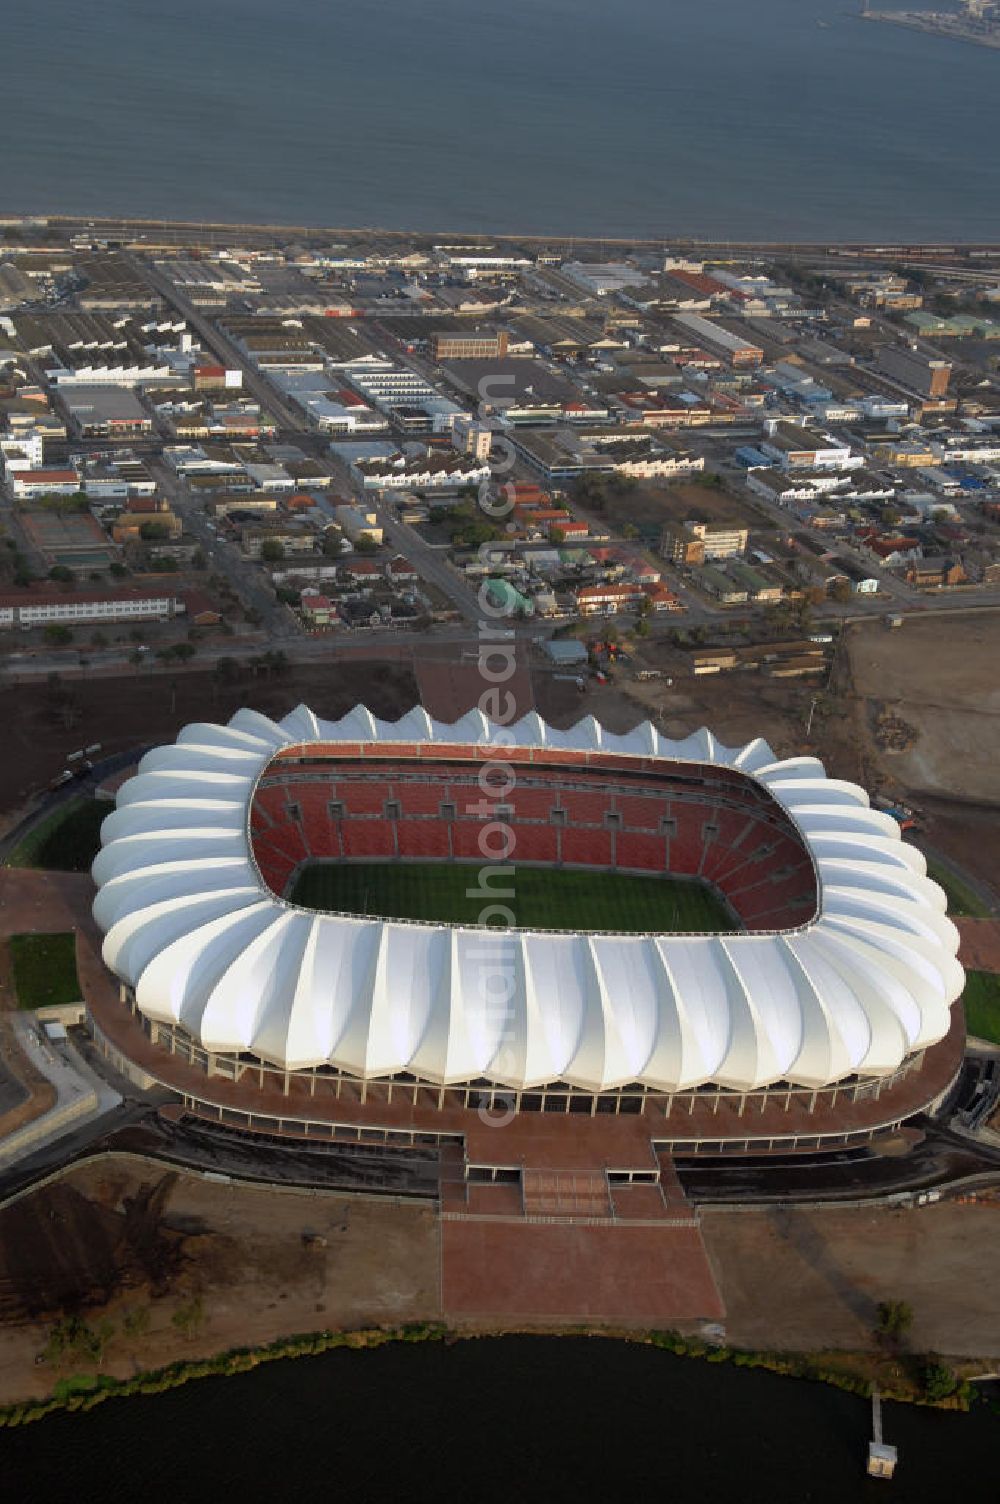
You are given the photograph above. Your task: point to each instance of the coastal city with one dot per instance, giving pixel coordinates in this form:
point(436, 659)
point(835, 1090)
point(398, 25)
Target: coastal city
point(211, 451)
point(384, 617)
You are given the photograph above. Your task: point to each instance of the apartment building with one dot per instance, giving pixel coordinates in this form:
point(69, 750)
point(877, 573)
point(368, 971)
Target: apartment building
point(42, 607)
point(696, 542)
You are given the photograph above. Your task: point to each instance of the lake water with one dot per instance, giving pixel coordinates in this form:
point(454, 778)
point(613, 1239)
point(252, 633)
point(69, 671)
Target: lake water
point(504, 1420)
point(751, 118)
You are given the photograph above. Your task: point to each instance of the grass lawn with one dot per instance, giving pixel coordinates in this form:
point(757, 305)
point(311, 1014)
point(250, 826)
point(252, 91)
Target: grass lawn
point(44, 969)
point(67, 841)
point(543, 897)
point(961, 899)
point(982, 1005)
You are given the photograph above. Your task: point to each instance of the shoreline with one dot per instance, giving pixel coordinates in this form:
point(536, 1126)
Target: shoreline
point(86, 1391)
point(913, 21)
point(682, 240)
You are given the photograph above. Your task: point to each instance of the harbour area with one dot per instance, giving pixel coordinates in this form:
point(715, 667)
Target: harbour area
point(978, 21)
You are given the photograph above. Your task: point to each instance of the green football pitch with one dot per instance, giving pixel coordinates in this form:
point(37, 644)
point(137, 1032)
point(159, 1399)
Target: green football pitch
point(543, 898)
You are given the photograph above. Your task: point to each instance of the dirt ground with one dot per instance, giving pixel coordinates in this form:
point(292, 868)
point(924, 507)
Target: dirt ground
point(734, 707)
point(653, 504)
point(940, 675)
point(812, 1278)
point(980, 949)
point(125, 1233)
point(124, 711)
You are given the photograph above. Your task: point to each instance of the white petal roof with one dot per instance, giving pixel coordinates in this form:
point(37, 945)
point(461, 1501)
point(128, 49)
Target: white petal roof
point(193, 928)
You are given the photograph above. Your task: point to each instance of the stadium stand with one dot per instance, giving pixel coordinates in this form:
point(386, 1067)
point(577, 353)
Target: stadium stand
point(693, 821)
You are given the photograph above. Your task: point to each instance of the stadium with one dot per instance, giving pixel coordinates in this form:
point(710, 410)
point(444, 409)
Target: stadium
point(615, 947)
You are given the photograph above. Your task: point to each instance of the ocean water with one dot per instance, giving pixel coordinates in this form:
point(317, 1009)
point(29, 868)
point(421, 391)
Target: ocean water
point(724, 118)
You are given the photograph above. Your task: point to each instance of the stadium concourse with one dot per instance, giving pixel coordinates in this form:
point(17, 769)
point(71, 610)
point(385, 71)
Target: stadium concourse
point(817, 1017)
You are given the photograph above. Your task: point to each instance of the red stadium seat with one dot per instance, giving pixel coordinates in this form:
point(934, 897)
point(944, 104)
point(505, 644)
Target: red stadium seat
point(423, 839)
point(641, 813)
point(725, 829)
point(687, 841)
point(418, 798)
point(590, 848)
point(362, 798)
point(535, 843)
point(638, 851)
point(368, 838)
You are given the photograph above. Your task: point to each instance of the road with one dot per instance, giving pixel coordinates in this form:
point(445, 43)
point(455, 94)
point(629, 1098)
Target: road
point(249, 581)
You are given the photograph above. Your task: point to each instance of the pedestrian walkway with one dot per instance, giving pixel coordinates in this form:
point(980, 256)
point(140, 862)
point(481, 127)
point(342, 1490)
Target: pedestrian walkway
point(980, 945)
point(80, 1095)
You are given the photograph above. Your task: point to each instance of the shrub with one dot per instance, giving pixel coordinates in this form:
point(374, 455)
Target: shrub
point(937, 1380)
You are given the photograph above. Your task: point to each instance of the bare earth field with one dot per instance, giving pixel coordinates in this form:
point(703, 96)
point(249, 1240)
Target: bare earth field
point(941, 676)
point(136, 709)
point(125, 1233)
point(653, 504)
point(735, 707)
point(812, 1278)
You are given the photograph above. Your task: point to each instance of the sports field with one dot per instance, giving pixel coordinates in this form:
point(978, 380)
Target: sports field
point(543, 898)
point(44, 969)
point(982, 1005)
point(67, 840)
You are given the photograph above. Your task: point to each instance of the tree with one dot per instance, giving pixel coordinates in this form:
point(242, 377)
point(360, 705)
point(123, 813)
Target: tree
point(271, 550)
point(61, 573)
point(198, 559)
point(227, 669)
point(150, 532)
point(135, 1322)
point(642, 627)
point(117, 568)
point(557, 535)
point(630, 532)
point(73, 1337)
point(938, 1380)
point(333, 544)
point(190, 1317)
point(840, 591)
point(365, 544)
point(893, 1320)
point(57, 635)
